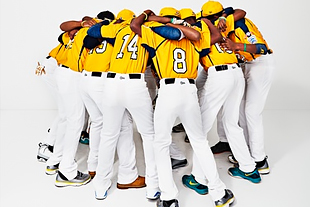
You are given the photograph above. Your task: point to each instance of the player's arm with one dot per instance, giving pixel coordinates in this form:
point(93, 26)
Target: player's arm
point(95, 30)
point(251, 48)
point(237, 13)
point(215, 33)
point(69, 25)
point(147, 15)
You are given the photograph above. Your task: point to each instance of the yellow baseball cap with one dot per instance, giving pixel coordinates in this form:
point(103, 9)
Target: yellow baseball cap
point(169, 11)
point(125, 14)
point(211, 7)
point(198, 15)
point(185, 13)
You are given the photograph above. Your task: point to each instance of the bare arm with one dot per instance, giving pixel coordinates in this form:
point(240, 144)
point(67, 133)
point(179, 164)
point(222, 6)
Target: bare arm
point(237, 13)
point(215, 33)
point(230, 45)
point(69, 25)
point(136, 23)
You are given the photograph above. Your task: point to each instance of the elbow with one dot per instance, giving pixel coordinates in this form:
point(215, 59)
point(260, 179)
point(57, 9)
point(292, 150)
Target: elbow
point(135, 28)
point(197, 36)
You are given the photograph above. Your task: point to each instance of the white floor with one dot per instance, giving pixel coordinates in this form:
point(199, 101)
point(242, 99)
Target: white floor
point(23, 181)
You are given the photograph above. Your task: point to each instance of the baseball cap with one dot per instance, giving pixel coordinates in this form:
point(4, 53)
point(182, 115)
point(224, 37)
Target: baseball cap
point(185, 13)
point(125, 14)
point(211, 7)
point(106, 15)
point(169, 11)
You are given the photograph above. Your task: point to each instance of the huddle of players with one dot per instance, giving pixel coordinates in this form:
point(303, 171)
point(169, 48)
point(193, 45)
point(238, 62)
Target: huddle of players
point(101, 65)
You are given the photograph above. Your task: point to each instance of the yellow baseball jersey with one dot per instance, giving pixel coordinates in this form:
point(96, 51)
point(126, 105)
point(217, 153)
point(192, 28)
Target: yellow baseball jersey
point(172, 58)
point(247, 32)
point(73, 49)
point(217, 55)
point(98, 59)
point(58, 52)
point(128, 56)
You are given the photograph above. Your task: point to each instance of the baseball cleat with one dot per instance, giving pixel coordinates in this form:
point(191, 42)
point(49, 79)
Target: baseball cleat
point(190, 182)
point(178, 163)
point(153, 193)
point(254, 176)
point(227, 199)
point(52, 169)
point(220, 147)
point(44, 152)
point(170, 203)
point(80, 179)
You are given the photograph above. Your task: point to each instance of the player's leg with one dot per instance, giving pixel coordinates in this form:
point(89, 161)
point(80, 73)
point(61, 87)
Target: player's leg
point(113, 111)
point(234, 132)
point(190, 116)
point(127, 171)
point(259, 76)
point(164, 118)
point(91, 89)
point(74, 112)
point(140, 107)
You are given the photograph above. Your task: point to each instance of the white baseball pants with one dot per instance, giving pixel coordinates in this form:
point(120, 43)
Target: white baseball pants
point(72, 112)
point(91, 87)
point(259, 75)
point(121, 93)
point(224, 89)
point(179, 99)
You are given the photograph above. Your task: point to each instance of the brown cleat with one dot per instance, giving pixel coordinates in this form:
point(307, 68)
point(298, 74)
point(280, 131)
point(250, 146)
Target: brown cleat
point(92, 174)
point(138, 183)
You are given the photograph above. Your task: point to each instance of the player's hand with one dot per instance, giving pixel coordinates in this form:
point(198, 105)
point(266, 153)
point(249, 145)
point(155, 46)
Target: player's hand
point(40, 70)
point(222, 25)
point(88, 23)
point(228, 45)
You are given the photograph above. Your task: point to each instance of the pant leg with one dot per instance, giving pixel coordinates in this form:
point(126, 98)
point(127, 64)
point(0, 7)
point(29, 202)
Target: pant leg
point(259, 75)
point(74, 114)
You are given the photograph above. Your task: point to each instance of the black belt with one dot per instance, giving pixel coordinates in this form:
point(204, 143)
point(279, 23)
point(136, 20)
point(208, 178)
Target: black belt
point(96, 74)
point(224, 67)
point(64, 66)
point(131, 75)
point(172, 81)
point(221, 67)
point(48, 57)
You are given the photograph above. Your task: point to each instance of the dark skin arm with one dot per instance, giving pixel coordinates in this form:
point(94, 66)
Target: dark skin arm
point(215, 33)
point(238, 14)
point(230, 45)
point(136, 23)
point(70, 25)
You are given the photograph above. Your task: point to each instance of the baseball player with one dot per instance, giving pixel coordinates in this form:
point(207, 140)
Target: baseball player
point(224, 89)
point(176, 62)
point(71, 107)
point(178, 159)
point(46, 70)
point(248, 42)
point(95, 64)
point(238, 14)
point(53, 159)
point(126, 89)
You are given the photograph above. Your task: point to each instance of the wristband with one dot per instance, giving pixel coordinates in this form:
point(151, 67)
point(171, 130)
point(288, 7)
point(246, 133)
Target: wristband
point(146, 16)
point(222, 18)
point(244, 47)
point(82, 23)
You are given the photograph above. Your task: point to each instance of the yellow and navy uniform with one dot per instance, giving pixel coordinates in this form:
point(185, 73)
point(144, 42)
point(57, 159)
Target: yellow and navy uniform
point(172, 58)
point(246, 32)
point(73, 49)
point(58, 52)
point(128, 55)
point(217, 55)
point(98, 59)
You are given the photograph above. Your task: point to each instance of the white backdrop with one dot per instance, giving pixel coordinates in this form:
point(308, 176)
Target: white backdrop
point(29, 30)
